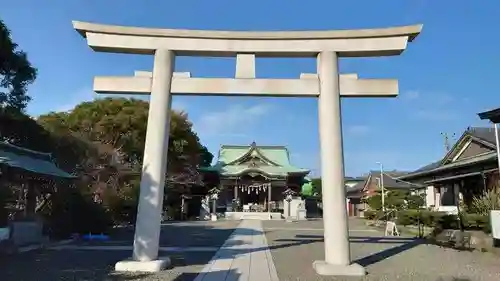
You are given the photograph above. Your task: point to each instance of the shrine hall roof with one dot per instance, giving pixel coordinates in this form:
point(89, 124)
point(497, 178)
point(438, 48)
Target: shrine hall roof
point(30, 160)
point(239, 159)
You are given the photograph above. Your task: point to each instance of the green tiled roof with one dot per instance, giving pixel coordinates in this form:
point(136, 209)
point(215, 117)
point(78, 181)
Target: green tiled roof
point(270, 170)
point(29, 160)
point(230, 156)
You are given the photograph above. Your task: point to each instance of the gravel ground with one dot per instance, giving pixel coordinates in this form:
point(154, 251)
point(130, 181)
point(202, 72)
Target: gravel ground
point(397, 258)
point(79, 265)
point(182, 234)
point(294, 246)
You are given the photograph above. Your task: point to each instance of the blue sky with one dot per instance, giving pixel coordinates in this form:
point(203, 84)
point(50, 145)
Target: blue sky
point(446, 76)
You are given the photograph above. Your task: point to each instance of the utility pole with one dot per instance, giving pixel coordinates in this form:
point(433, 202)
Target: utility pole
point(381, 184)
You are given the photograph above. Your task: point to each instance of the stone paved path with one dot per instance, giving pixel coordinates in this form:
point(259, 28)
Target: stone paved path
point(244, 256)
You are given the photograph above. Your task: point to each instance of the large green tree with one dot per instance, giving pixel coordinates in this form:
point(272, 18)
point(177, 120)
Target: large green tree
point(117, 127)
point(16, 72)
point(121, 124)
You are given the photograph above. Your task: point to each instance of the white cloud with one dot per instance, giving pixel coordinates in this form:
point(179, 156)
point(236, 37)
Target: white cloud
point(232, 120)
point(435, 115)
point(443, 98)
point(179, 106)
point(358, 130)
point(307, 160)
point(360, 162)
point(411, 95)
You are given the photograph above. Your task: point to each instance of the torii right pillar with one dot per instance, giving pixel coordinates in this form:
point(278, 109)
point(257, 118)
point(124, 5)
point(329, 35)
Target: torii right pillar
point(336, 230)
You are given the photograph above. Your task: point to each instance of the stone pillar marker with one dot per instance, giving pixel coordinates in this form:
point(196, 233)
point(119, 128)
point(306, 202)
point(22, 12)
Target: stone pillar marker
point(148, 223)
point(328, 86)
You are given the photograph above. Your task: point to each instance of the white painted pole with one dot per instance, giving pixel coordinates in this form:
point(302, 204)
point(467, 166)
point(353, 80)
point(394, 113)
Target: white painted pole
point(382, 187)
point(498, 147)
point(337, 249)
point(269, 200)
point(147, 229)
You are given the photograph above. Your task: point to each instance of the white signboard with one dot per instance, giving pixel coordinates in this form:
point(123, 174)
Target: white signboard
point(4, 233)
point(495, 223)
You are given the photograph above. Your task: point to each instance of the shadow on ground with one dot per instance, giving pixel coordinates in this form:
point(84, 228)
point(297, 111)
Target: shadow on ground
point(49, 265)
point(402, 244)
point(80, 264)
point(215, 276)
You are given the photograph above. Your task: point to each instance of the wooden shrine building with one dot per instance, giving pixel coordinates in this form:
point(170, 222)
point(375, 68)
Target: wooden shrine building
point(253, 178)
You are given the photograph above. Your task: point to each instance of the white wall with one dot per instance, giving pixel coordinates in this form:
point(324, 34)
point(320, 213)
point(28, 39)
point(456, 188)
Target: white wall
point(430, 197)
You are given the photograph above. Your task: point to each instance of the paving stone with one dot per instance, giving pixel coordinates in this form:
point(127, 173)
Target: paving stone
point(244, 256)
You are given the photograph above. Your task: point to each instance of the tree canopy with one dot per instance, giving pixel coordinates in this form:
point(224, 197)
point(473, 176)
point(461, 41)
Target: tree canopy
point(16, 72)
point(120, 125)
point(316, 183)
point(396, 199)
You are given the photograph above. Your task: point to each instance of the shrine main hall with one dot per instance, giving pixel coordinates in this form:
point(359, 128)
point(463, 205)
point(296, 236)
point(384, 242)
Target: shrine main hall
point(255, 179)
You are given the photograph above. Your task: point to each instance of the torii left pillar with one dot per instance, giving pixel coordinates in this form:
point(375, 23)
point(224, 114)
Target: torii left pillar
point(148, 224)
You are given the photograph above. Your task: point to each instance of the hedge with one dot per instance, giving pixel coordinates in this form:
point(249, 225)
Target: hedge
point(435, 219)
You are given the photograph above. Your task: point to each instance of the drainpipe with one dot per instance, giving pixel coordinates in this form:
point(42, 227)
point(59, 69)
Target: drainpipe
point(497, 146)
point(457, 196)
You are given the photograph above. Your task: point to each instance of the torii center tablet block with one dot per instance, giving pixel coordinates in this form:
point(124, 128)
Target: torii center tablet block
point(327, 85)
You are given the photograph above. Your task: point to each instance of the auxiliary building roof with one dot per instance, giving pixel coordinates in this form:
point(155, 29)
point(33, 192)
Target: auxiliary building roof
point(30, 160)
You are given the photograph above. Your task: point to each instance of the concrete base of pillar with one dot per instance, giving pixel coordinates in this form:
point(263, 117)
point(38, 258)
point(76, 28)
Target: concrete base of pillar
point(324, 268)
point(143, 266)
point(213, 217)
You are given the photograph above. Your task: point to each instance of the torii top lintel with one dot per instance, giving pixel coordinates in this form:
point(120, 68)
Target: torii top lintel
point(347, 43)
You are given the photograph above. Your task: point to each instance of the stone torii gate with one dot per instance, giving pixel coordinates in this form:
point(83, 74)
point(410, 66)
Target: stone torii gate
point(327, 85)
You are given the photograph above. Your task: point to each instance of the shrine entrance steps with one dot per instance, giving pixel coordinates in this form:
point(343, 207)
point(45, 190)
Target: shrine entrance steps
point(253, 216)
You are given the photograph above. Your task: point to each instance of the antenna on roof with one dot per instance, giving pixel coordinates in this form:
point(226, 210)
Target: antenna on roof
point(447, 145)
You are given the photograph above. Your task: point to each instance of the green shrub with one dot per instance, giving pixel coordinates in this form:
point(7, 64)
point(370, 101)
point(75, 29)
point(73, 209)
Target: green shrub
point(442, 220)
point(374, 202)
point(477, 222)
point(415, 201)
point(71, 211)
point(407, 217)
point(483, 204)
point(448, 222)
point(432, 218)
point(370, 215)
point(373, 215)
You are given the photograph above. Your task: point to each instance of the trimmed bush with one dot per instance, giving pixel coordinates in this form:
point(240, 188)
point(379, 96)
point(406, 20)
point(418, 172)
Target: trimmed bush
point(373, 215)
point(370, 215)
point(71, 211)
point(477, 222)
point(440, 220)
